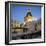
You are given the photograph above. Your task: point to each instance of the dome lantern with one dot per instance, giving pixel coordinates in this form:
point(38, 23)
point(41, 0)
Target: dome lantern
point(28, 12)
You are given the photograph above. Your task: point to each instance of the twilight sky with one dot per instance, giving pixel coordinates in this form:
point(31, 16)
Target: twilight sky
point(18, 12)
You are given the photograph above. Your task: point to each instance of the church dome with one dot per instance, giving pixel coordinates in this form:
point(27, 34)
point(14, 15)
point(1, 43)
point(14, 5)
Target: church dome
point(28, 13)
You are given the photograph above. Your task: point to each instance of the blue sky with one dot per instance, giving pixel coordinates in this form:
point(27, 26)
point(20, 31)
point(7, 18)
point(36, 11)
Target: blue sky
point(18, 12)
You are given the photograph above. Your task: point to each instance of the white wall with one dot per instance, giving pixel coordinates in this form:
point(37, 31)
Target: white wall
point(2, 23)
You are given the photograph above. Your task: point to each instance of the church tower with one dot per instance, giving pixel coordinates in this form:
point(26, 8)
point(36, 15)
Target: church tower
point(28, 16)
